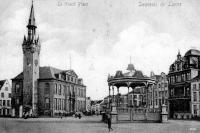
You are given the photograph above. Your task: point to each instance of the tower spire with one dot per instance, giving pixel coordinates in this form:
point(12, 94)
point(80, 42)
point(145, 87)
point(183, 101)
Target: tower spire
point(31, 25)
point(179, 54)
point(31, 21)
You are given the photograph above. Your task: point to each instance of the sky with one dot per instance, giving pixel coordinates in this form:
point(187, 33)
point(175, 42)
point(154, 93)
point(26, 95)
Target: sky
point(100, 36)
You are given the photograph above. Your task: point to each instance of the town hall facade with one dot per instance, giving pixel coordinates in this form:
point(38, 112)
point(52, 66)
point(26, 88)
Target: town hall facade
point(45, 91)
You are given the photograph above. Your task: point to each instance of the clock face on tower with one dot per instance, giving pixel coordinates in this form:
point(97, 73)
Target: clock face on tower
point(36, 62)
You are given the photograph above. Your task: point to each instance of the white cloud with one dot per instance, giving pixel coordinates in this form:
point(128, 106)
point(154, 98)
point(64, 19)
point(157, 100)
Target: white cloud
point(152, 36)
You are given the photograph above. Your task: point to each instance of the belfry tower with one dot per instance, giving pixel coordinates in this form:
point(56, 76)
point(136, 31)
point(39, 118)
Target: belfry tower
point(31, 59)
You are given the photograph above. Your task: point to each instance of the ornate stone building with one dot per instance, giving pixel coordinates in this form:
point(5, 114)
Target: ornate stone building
point(195, 97)
point(181, 73)
point(44, 90)
point(159, 92)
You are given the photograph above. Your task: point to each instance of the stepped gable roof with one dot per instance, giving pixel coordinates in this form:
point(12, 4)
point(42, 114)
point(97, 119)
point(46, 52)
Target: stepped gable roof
point(192, 52)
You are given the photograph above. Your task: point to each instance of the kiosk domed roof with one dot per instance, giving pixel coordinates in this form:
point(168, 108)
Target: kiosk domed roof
point(130, 67)
point(192, 52)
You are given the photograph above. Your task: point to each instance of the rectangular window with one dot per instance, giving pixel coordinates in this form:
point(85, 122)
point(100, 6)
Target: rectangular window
point(165, 84)
point(172, 79)
point(9, 95)
point(160, 101)
point(158, 85)
point(59, 104)
point(47, 103)
point(195, 96)
point(64, 90)
point(194, 87)
point(162, 85)
point(156, 102)
point(17, 88)
point(60, 89)
point(17, 101)
point(47, 100)
point(63, 104)
point(199, 86)
point(0, 102)
point(47, 88)
point(184, 77)
point(163, 101)
point(179, 78)
point(176, 80)
point(188, 76)
point(55, 89)
point(54, 103)
point(8, 103)
point(159, 93)
point(8, 112)
point(199, 96)
point(195, 109)
point(165, 93)
point(6, 88)
point(2, 95)
point(4, 102)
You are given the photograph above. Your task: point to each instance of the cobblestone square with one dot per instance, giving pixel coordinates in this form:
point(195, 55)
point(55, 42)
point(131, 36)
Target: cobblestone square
point(92, 124)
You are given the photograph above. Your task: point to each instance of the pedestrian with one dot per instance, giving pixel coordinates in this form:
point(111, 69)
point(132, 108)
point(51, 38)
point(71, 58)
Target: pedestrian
point(109, 122)
point(60, 115)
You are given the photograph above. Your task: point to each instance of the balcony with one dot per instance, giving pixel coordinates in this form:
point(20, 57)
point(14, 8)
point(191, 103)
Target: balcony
point(179, 97)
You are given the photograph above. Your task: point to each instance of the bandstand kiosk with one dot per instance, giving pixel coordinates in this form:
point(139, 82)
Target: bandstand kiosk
point(131, 79)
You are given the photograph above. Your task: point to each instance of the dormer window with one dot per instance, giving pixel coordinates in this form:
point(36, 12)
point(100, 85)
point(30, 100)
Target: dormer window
point(17, 88)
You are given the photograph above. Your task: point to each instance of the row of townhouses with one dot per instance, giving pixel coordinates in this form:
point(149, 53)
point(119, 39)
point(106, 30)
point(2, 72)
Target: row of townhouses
point(179, 89)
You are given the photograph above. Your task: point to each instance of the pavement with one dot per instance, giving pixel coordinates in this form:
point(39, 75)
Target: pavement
point(92, 124)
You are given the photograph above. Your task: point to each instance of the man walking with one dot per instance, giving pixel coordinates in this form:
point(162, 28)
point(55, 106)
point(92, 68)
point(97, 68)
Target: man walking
point(109, 121)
